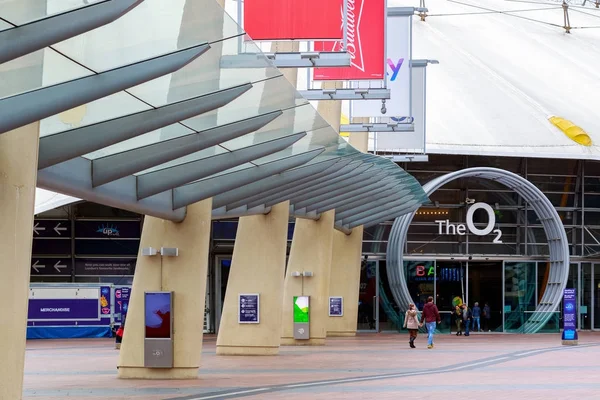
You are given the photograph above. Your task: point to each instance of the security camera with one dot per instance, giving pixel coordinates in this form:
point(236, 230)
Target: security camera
point(470, 201)
point(383, 109)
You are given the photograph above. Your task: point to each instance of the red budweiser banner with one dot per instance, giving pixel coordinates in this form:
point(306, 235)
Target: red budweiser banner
point(292, 19)
point(366, 37)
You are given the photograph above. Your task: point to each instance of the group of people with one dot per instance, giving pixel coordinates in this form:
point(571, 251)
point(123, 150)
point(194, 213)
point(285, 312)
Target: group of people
point(470, 319)
point(463, 316)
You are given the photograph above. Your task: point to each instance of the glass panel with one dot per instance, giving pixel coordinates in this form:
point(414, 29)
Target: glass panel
point(519, 294)
point(585, 306)
point(36, 70)
point(391, 318)
point(20, 12)
point(450, 285)
point(114, 106)
point(366, 297)
point(420, 276)
point(153, 28)
point(4, 25)
point(596, 288)
point(485, 287)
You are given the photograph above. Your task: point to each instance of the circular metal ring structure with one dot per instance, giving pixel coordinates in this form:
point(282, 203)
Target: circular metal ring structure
point(553, 227)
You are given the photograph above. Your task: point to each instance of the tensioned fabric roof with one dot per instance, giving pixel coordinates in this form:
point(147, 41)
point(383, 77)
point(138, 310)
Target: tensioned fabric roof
point(505, 67)
point(147, 112)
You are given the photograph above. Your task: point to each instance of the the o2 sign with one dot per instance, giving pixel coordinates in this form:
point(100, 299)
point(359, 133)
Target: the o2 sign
point(461, 229)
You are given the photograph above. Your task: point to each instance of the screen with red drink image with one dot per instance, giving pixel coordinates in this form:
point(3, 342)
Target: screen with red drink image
point(158, 315)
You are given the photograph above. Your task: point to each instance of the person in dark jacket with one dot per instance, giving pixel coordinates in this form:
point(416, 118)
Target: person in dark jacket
point(430, 316)
point(476, 318)
point(466, 316)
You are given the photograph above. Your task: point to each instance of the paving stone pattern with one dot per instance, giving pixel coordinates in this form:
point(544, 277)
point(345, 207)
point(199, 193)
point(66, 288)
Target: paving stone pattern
point(369, 366)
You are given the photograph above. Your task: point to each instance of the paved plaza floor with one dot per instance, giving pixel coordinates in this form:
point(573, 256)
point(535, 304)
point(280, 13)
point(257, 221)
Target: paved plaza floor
point(369, 366)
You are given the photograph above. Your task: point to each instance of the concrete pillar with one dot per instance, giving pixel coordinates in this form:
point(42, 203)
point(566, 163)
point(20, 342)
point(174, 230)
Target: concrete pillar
point(18, 174)
point(258, 266)
point(346, 258)
point(311, 251)
point(185, 275)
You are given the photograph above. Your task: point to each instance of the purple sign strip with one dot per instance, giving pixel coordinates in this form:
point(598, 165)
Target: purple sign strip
point(335, 307)
point(64, 310)
point(569, 315)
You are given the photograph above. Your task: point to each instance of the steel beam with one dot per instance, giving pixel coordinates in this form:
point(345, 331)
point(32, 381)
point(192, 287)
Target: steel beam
point(115, 166)
point(154, 182)
point(25, 108)
point(200, 190)
point(385, 214)
point(396, 202)
point(378, 127)
point(36, 35)
point(322, 184)
point(390, 217)
point(283, 179)
point(360, 200)
point(368, 204)
point(287, 60)
point(346, 94)
point(66, 145)
point(261, 197)
point(222, 213)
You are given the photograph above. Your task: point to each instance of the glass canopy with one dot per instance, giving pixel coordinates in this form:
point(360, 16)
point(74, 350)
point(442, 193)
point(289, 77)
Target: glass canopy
point(168, 104)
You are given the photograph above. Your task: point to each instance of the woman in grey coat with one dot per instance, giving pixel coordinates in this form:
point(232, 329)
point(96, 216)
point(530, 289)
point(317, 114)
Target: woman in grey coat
point(411, 321)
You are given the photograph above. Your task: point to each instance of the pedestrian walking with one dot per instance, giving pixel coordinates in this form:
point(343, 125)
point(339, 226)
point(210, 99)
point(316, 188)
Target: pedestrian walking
point(411, 322)
point(466, 316)
point(431, 317)
point(476, 317)
point(458, 320)
point(487, 315)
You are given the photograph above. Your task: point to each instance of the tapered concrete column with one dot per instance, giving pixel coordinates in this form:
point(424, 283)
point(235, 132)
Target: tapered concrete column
point(311, 251)
point(345, 263)
point(257, 266)
point(18, 174)
point(185, 275)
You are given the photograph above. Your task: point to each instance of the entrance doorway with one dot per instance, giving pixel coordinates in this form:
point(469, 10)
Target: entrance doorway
point(485, 287)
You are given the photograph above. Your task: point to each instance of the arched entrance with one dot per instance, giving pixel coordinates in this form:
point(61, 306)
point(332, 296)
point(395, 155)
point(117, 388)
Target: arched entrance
point(553, 227)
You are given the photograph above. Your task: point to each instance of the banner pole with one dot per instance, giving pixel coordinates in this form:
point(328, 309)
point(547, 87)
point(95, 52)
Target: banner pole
point(385, 38)
point(345, 27)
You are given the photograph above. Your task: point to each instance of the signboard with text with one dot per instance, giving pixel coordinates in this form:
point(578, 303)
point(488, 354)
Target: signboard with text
point(336, 306)
point(46, 266)
point(398, 73)
point(366, 41)
point(248, 309)
point(105, 229)
point(63, 310)
point(104, 267)
point(122, 296)
point(292, 19)
point(569, 315)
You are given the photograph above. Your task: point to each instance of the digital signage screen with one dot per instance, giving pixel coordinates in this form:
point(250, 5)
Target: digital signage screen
point(158, 310)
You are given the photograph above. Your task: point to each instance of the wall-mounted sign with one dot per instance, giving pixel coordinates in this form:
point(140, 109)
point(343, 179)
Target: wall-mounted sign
point(41, 266)
point(104, 266)
point(336, 306)
point(122, 295)
point(108, 229)
point(248, 309)
point(445, 227)
point(569, 335)
point(54, 228)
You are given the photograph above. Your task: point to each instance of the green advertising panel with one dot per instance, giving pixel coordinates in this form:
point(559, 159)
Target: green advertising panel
point(301, 309)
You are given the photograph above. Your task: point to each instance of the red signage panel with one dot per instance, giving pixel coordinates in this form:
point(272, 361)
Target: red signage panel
point(366, 37)
point(292, 19)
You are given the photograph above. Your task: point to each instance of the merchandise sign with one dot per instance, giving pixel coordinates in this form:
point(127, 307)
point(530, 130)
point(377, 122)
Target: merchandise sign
point(569, 315)
point(398, 74)
point(292, 19)
point(248, 309)
point(365, 43)
point(63, 310)
point(336, 307)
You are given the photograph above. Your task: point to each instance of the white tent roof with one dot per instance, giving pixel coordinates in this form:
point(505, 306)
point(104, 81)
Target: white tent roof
point(46, 200)
point(501, 75)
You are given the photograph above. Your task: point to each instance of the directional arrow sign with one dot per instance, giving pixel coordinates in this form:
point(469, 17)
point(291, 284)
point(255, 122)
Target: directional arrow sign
point(58, 266)
point(37, 266)
point(58, 229)
point(37, 229)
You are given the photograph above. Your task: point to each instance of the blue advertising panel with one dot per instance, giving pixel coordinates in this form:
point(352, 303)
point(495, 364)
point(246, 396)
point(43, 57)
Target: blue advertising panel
point(336, 307)
point(569, 315)
point(113, 229)
point(248, 309)
point(105, 301)
point(122, 295)
point(64, 310)
point(158, 310)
